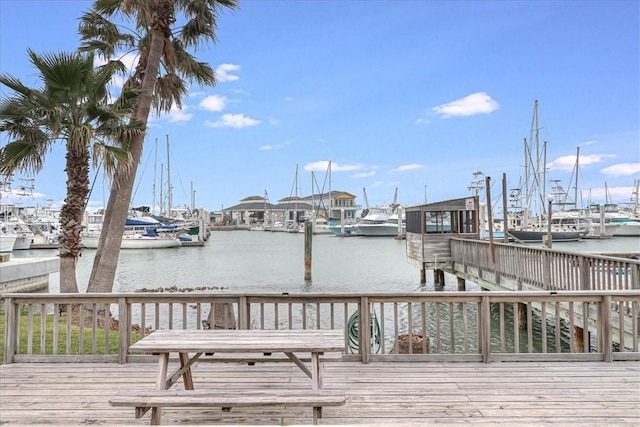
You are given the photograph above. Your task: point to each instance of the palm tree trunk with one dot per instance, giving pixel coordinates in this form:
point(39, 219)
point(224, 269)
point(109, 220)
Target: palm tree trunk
point(106, 259)
point(71, 215)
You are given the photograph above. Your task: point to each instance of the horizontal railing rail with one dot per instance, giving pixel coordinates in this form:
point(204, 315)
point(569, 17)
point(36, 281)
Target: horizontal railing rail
point(521, 267)
point(435, 326)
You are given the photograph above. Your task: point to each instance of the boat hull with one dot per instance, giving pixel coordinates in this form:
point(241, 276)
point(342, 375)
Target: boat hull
point(627, 229)
point(6, 242)
point(135, 242)
point(538, 236)
point(380, 230)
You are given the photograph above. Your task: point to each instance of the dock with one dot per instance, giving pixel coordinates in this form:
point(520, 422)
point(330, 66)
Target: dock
point(26, 274)
point(385, 393)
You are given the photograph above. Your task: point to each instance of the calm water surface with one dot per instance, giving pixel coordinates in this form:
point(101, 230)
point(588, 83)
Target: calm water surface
point(257, 261)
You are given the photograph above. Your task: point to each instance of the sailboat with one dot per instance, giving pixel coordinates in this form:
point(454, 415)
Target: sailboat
point(142, 230)
point(523, 226)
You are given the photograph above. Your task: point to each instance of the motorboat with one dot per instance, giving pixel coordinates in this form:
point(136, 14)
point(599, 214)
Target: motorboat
point(7, 240)
point(627, 226)
point(388, 228)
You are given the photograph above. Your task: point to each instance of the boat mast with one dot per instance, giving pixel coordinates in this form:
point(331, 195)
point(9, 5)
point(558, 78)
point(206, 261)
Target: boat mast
point(575, 193)
point(636, 195)
point(264, 219)
point(169, 195)
point(330, 195)
point(313, 206)
point(155, 163)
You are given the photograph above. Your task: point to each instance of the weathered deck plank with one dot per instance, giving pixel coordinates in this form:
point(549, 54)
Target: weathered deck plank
point(588, 393)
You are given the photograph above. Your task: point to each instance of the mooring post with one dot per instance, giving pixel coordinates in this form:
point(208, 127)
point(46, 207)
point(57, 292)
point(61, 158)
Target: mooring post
point(423, 274)
point(308, 239)
point(461, 284)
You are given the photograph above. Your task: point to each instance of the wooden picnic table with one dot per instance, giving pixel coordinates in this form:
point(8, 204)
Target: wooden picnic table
point(190, 345)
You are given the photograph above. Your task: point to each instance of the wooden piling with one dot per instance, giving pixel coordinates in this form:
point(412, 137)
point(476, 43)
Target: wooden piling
point(308, 240)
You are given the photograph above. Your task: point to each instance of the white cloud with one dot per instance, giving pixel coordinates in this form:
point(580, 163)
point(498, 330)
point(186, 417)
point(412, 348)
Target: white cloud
point(423, 121)
point(622, 169)
point(177, 115)
point(476, 103)
point(616, 194)
point(384, 184)
point(586, 143)
point(568, 163)
point(223, 72)
point(130, 60)
point(275, 146)
point(323, 165)
point(363, 174)
point(408, 167)
point(233, 120)
point(288, 98)
point(213, 103)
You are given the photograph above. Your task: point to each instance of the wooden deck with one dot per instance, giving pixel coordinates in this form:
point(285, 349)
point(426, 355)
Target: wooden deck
point(513, 393)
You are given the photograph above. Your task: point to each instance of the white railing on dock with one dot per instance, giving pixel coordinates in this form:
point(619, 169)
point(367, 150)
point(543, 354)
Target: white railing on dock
point(437, 326)
point(521, 267)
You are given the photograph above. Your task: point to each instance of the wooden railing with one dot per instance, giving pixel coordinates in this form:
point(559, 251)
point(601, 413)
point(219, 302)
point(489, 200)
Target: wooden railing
point(521, 267)
point(437, 326)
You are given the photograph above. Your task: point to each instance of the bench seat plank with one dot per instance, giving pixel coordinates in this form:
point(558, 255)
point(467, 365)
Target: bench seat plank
point(226, 398)
point(142, 400)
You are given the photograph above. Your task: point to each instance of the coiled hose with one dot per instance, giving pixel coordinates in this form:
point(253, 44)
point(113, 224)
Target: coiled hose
point(352, 327)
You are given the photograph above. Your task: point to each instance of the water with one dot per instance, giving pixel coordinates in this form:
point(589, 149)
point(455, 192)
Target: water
point(257, 261)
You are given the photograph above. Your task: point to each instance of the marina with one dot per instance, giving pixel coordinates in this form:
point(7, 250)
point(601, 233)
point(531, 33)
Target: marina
point(246, 261)
point(177, 288)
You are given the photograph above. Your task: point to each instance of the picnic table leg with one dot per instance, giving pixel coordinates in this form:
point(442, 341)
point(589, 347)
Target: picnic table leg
point(163, 364)
point(187, 378)
point(316, 380)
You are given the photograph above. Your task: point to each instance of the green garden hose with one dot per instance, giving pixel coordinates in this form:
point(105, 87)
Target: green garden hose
point(352, 327)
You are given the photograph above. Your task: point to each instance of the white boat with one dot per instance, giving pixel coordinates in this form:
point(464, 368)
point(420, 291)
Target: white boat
point(7, 240)
point(321, 226)
point(24, 236)
point(149, 240)
point(14, 224)
point(141, 232)
point(344, 230)
point(375, 222)
point(388, 228)
point(627, 226)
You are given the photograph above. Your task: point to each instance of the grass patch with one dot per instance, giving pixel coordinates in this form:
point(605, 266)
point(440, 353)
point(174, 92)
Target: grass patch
point(69, 341)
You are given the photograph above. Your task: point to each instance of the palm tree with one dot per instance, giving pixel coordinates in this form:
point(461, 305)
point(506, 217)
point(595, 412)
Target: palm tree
point(72, 107)
point(163, 65)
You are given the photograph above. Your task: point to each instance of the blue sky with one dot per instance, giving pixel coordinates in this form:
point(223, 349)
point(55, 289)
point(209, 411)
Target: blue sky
point(414, 95)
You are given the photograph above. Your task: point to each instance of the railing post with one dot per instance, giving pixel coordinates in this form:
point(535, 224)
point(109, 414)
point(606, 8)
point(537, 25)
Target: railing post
point(606, 335)
point(546, 285)
point(585, 277)
point(364, 330)
point(634, 271)
point(485, 328)
point(124, 329)
point(10, 330)
point(244, 311)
